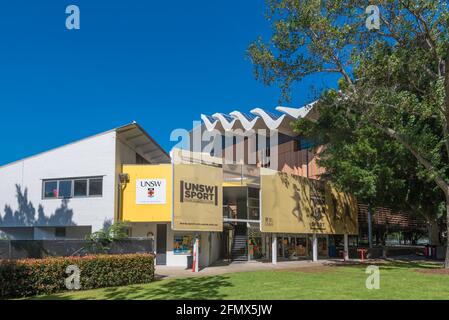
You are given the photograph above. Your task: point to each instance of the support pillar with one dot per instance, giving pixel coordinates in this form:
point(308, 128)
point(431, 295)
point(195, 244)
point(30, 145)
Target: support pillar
point(196, 255)
point(274, 249)
point(370, 227)
point(346, 248)
point(314, 248)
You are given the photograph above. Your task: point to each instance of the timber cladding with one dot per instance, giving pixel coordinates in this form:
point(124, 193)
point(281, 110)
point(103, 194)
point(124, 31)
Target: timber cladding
point(294, 204)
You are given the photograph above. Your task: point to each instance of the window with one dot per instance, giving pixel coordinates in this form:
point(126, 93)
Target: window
point(50, 189)
point(65, 189)
point(95, 187)
point(253, 196)
point(268, 150)
point(80, 188)
point(303, 144)
point(60, 232)
point(72, 188)
point(253, 193)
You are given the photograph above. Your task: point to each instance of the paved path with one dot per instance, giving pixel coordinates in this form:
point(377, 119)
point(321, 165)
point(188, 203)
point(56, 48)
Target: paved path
point(223, 268)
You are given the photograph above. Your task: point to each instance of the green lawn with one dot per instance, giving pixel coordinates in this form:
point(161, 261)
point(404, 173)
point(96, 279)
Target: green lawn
point(398, 281)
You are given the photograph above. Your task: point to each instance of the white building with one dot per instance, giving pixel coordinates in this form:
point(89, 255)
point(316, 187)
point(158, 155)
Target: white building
point(71, 191)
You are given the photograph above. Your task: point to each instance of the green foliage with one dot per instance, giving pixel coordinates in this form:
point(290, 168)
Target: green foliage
point(361, 160)
point(19, 278)
point(386, 127)
point(312, 36)
point(99, 241)
point(3, 236)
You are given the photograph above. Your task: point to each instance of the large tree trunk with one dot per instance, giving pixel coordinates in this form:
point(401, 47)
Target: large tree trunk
point(445, 126)
point(446, 261)
point(434, 232)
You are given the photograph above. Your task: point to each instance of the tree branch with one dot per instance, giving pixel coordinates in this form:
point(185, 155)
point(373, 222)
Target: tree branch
point(444, 186)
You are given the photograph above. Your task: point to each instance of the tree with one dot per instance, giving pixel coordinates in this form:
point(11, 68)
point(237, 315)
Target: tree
point(396, 78)
point(361, 160)
point(100, 241)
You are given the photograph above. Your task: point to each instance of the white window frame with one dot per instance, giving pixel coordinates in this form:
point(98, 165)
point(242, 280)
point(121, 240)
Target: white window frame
point(72, 193)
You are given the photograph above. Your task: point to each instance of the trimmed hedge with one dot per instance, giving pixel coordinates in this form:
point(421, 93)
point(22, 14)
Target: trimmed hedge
point(29, 277)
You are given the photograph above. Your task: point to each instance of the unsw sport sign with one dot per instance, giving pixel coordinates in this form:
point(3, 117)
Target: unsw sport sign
point(198, 198)
point(196, 192)
point(151, 191)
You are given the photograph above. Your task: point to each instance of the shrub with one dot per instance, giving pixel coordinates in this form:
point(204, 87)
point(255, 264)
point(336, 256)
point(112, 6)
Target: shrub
point(99, 242)
point(28, 277)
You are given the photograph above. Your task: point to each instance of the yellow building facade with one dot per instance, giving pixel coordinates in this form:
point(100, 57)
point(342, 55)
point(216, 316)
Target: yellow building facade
point(265, 215)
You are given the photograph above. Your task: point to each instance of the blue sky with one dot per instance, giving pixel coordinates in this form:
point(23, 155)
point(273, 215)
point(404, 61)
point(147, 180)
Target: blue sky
point(160, 63)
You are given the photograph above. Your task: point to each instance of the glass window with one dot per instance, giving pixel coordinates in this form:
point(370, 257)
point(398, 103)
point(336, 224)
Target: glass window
point(50, 189)
point(65, 189)
point(60, 232)
point(253, 193)
point(253, 213)
point(80, 188)
point(95, 187)
point(301, 247)
point(322, 247)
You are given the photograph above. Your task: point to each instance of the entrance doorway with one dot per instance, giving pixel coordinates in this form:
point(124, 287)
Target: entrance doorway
point(243, 241)
point(161, 244)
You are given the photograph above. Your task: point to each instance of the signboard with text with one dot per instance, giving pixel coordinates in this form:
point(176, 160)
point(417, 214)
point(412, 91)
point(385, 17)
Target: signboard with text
point(151, 191)
point(148, 195)
point(198, 198)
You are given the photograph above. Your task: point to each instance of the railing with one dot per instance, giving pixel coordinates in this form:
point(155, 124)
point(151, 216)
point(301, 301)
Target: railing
point(22, 249)
point(253, 214)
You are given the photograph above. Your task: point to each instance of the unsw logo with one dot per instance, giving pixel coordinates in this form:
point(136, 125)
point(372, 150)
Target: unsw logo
point(151, 184)
point(151, 191)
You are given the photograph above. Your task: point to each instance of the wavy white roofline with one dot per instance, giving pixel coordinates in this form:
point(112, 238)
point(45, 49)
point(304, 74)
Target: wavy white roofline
point(263, 119)
point(211, 125)
point(271, 123)
point(227, 125)
point(247, 124)
point(297, 112)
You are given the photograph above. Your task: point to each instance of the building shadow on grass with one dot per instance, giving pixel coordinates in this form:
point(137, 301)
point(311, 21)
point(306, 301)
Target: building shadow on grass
point(196, 288)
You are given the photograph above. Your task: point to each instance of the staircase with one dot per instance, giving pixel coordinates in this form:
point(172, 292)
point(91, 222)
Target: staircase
point(239, 250)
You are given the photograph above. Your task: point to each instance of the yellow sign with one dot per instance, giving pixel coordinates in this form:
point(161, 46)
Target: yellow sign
point(294, 204)
point(342, 209)
point(198, 198)
point(148, 195)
